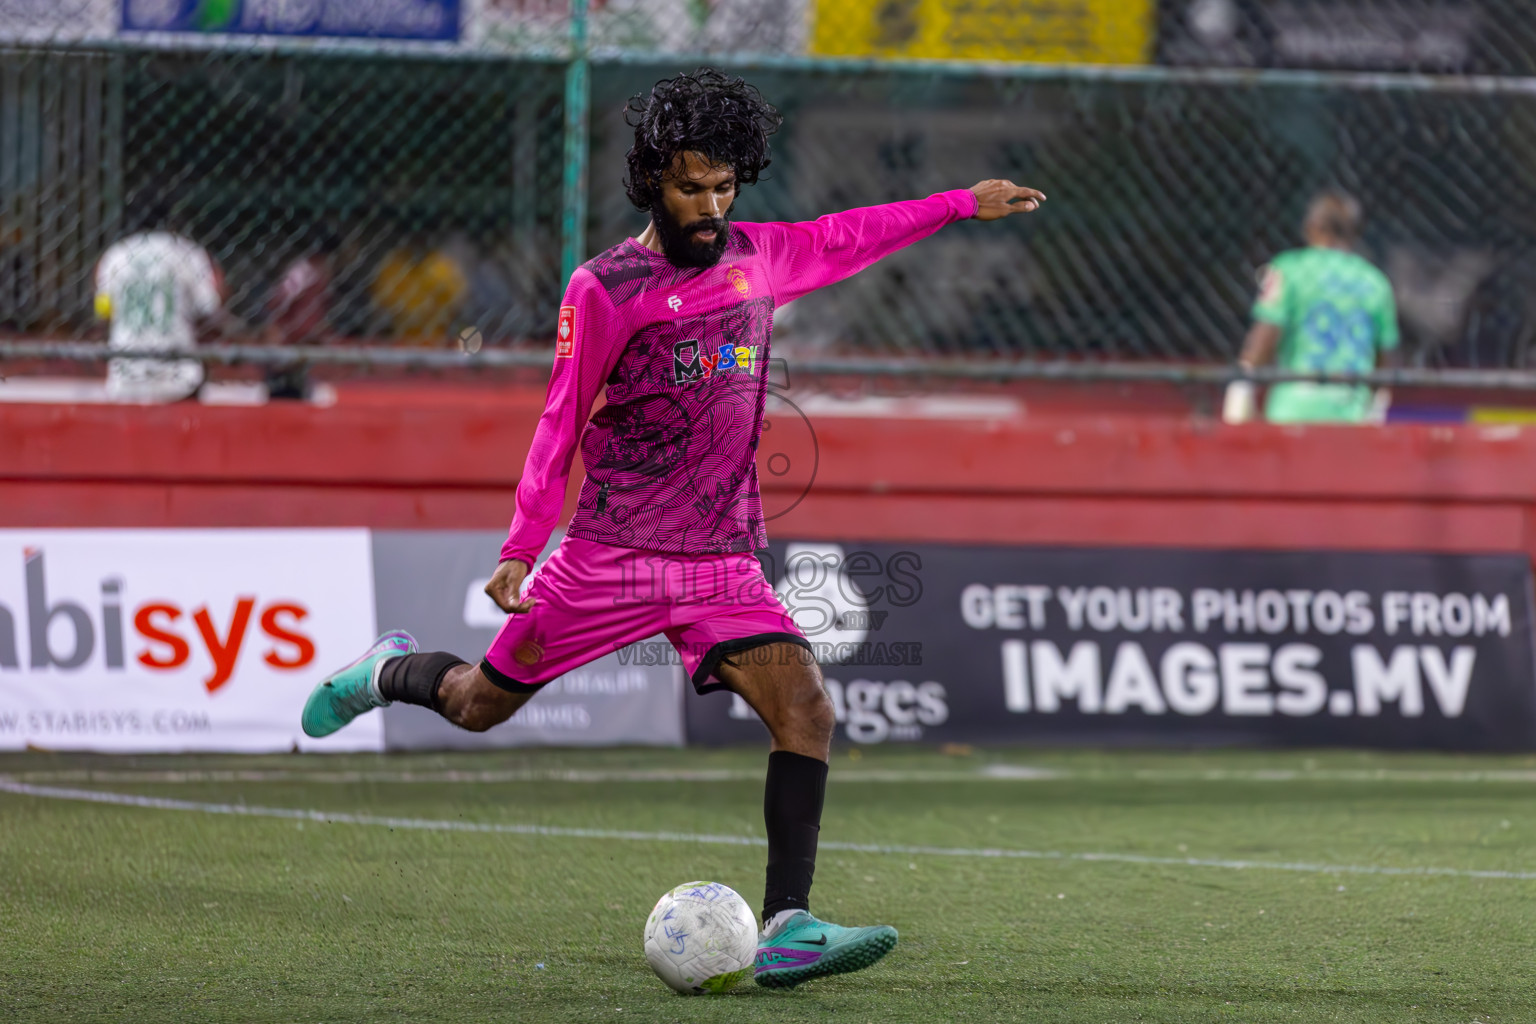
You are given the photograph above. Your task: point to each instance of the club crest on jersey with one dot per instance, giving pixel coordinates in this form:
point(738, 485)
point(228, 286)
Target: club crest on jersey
point(565, 340)
point(739, 281)
point(690, 363)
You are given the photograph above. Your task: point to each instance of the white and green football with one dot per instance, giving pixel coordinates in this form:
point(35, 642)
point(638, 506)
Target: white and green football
point(702, 937)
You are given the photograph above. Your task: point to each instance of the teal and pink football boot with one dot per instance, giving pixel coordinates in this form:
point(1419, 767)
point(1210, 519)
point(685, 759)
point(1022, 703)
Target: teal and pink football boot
point(804, 948)
point(348, 692)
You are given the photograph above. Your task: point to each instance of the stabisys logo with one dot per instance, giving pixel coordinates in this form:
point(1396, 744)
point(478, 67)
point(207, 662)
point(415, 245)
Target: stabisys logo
point(64, 634)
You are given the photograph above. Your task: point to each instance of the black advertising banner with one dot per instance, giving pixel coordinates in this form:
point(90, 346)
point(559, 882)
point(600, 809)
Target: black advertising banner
point(995, 645)
point(1441, 36)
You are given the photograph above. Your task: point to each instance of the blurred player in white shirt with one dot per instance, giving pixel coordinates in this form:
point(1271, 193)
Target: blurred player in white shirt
point(154, 286)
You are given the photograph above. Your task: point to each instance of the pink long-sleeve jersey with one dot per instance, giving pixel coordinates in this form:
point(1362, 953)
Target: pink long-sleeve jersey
point(671, 458)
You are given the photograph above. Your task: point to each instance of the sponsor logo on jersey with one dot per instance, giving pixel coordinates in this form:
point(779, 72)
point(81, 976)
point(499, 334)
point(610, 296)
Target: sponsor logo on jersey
point(739, 281)
point(736, 359)
point(687, 366)
point(565, 342)
point(691, 363)
point(674, 302)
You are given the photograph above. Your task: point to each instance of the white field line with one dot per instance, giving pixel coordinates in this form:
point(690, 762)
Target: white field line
point(992, 853)
point(1515, 775)
point(989, 773)
point(148, 776)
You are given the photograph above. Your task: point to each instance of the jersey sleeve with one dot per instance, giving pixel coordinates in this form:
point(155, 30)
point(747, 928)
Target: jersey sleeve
point(589, 341)
point(1387, 337)
point(812, 254)
point(204, 282)
point(1270, 306)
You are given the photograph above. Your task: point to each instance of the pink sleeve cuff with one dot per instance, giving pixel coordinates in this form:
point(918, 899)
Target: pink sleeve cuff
point(508, 551)
point(965, 202)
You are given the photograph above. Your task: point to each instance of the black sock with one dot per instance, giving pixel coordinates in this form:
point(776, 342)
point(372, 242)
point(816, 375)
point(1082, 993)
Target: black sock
point(414, 678)
point(792, 802)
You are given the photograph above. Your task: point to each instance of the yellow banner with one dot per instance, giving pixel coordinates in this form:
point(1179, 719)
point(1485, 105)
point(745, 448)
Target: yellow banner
point(1042, 31)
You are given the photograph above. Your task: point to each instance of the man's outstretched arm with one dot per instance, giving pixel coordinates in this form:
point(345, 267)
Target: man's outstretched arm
point(588, 344)
point(813, 254)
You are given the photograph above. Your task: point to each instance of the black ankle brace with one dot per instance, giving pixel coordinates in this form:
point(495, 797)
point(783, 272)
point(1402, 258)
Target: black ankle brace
point(414, 678)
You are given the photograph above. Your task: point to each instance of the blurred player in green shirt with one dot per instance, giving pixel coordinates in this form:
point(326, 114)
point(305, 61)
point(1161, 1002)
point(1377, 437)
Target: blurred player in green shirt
point(1321, 309)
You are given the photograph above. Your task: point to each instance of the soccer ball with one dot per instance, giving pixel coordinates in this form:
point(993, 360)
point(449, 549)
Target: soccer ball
point(702, 937)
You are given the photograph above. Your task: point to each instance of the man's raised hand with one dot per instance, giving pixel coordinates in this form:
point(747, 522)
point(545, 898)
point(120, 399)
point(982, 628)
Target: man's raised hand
point(996, 199)
point(506, 586)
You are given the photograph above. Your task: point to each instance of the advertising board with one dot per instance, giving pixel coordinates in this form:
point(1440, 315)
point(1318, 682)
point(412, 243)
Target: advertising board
point(372, 19)
point(1054, 31)
point(178, 640)
point(1161, 646)
point(432, 585)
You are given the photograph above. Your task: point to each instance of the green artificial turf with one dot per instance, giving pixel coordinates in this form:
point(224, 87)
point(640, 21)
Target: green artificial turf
point(126, 913)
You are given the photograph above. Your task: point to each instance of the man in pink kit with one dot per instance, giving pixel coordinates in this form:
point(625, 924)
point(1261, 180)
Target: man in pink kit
point(676, 324)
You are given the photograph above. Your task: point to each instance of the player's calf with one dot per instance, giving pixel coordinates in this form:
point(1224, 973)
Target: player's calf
point(450, 686)
point(471, 701)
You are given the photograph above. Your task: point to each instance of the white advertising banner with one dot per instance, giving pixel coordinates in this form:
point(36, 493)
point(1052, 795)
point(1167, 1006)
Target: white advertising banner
point(178, 640)
point(51, 21)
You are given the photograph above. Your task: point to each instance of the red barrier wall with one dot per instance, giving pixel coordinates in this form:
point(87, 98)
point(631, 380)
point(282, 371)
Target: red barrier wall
point(448, 457)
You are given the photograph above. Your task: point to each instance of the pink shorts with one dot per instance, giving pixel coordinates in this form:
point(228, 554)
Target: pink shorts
point(594, 598)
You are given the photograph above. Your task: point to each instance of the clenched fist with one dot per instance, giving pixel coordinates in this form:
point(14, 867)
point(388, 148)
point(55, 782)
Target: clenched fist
point(506, 586)
point(996, 199)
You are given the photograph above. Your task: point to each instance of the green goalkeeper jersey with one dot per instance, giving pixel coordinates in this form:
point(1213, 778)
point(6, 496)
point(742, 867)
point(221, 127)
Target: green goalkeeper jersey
point(1335, 313)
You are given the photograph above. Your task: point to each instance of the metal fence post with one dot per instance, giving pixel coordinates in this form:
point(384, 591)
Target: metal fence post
point(578, 102)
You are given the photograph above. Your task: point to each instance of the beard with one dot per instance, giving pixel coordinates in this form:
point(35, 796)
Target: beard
point(680, 247)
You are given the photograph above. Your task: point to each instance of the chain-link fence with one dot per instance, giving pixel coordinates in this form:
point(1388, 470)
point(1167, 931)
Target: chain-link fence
point(412, 171)
point(384, 166)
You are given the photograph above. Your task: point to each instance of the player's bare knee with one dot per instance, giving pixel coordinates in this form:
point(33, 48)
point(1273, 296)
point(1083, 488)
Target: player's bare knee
point(820, 716)
point(806, 708)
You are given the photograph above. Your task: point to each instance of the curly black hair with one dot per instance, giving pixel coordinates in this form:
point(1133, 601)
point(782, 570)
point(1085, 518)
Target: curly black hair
point(707, 112)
